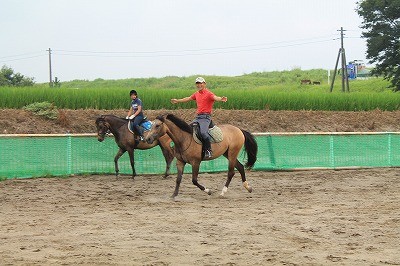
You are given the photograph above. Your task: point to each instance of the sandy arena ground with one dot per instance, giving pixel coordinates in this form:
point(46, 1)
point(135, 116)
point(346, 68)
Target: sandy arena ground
point(347, 217)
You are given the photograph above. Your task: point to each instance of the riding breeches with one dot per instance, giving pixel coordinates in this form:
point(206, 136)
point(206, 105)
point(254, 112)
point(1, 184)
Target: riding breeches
point(136, 122)
point(204, 121)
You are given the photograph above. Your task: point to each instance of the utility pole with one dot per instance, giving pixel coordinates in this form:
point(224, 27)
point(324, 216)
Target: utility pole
point(51, 77)
point(342, 55)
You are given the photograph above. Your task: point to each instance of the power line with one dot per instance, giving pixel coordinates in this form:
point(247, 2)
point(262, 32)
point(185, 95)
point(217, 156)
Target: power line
point(187, 52)
point(173, 53)
point(194, 50)
point(19, 55)
point(23, 58)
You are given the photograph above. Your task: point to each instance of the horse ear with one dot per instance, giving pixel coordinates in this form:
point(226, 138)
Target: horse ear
point(161, 118)
point(99, 118)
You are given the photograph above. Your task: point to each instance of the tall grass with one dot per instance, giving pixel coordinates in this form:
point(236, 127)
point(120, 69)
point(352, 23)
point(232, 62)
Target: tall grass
point(247, 81)
point(256, 91)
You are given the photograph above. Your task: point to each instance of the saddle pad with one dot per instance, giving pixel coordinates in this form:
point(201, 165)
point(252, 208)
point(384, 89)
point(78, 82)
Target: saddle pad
point(215, 134)
point(146, 125)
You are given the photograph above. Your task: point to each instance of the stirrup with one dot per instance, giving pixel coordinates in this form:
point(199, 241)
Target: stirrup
point(208, 154)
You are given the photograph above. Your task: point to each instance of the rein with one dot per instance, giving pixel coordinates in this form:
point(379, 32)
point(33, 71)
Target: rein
point(108, 131)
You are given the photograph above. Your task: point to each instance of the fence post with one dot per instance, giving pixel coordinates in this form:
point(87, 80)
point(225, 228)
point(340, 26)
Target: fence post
point(271, 151)
point(331, 152)
point(69, 154)
point(390, 148)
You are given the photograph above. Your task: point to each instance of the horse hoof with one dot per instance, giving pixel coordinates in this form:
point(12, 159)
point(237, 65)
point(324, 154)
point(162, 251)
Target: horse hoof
point(173, 198)
point(247, 186)
point(208, 191)
point(224, 190)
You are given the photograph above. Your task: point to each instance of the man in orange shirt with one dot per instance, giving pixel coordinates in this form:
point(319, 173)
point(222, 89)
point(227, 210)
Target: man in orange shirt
point(205, 100)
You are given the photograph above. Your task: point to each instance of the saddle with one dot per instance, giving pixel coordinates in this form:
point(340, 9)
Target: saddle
point(214, 132)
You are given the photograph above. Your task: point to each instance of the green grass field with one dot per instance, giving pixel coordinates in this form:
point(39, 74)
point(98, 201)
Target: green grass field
point(278, 90)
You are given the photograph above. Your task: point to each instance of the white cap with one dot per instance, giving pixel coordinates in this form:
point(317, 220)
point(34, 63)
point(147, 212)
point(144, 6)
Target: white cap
point(201, 80)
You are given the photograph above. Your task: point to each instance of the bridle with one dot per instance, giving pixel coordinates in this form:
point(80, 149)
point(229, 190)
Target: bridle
point(104, 129)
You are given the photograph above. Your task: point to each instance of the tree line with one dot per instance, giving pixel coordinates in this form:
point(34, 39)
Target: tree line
point(9, 78)
point(381, 24)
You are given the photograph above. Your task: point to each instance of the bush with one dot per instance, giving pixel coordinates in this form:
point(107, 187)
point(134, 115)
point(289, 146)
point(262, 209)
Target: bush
point(45, 109)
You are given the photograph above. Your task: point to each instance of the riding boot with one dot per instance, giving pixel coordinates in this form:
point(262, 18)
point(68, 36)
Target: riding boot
point(207, 148)
point(140, 131)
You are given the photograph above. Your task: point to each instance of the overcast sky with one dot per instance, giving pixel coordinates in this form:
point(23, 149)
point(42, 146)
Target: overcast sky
point(156, 38)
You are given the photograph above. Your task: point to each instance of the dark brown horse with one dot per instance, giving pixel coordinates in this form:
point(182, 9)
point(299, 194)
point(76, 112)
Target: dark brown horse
point(126, 141)
point(188, 151)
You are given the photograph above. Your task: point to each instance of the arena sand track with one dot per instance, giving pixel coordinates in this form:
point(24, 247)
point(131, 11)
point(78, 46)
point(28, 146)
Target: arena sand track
point(347, 217)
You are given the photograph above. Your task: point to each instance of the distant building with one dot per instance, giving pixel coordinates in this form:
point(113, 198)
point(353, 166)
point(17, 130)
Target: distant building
point(356, 69)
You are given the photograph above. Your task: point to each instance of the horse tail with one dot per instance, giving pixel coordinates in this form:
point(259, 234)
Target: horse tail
point(251, 147)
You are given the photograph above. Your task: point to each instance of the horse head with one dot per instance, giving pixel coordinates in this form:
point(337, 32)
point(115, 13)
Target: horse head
point(158, 128)
point(103, 127)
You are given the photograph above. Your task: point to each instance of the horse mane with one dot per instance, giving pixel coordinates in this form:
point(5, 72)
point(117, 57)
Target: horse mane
point(117, 117)
point(180, 123)
point(103, 118)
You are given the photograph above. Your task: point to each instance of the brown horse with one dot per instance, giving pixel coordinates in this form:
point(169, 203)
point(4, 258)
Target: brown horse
point(188, 151)
point(126, 141)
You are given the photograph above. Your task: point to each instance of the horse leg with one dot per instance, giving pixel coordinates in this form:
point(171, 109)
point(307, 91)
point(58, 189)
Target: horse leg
point(132, 159)
point(240, 168)
point(116, 158)
point(180, 166)
point(231, 173)
point(169, 157)
point(195, 174)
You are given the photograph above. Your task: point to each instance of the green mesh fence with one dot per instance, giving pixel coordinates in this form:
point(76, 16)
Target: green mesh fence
point(42, 155)
point(282, 152)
